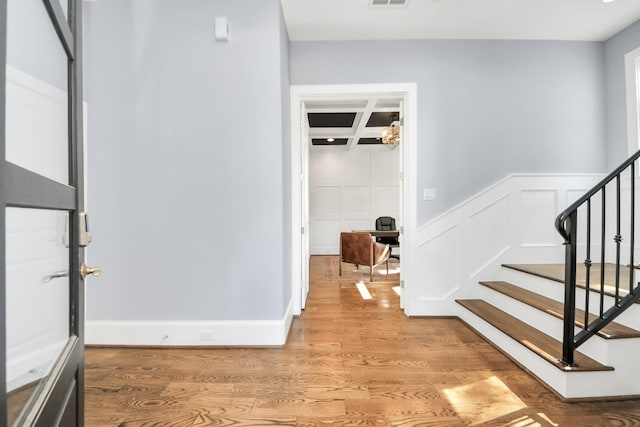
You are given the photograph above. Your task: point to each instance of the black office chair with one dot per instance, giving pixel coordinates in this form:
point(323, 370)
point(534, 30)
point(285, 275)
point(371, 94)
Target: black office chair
point(387, 223)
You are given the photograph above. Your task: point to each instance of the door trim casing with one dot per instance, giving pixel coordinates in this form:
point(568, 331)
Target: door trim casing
point(408, 93)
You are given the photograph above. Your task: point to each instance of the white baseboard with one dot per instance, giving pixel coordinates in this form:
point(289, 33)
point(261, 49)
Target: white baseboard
point(190, 333)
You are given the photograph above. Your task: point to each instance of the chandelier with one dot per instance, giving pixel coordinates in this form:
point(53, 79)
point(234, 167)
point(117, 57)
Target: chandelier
point(391, 134)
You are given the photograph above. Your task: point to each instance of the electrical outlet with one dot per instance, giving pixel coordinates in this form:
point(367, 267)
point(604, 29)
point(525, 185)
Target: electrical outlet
point(206, 335)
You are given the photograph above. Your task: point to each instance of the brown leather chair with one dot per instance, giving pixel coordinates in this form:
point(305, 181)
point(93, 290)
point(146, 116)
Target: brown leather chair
point(359, 248)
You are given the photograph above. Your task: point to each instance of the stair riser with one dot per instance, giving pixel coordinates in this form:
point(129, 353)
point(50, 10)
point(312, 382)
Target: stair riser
point(630, 318)
point(539, 285)
point(550, 325)
point(555, 290)
point(618, 353)
point(530, 315)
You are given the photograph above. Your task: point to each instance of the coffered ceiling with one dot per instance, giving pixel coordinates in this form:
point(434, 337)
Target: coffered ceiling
point(353, 124)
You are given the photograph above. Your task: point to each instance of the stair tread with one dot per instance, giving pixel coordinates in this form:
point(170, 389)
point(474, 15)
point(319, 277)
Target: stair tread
point(555, 308)
point(545, 346)
point(555, 272)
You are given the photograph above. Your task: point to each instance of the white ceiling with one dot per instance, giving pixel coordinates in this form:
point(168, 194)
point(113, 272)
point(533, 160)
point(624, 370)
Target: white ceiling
point(589, 20)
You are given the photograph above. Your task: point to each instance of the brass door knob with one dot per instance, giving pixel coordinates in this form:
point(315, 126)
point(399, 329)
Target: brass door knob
point(86, 271)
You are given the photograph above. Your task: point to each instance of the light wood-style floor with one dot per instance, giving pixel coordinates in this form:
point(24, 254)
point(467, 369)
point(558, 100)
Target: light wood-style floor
point(348, 362)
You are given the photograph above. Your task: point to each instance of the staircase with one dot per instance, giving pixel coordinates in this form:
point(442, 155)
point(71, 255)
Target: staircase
point(522, 315)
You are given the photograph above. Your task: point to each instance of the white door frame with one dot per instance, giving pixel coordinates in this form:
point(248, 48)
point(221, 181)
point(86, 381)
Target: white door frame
point(408, 166)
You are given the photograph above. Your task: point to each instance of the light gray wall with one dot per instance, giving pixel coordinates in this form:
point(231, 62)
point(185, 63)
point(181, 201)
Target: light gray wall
point(486, 109)
point(616, 100)
point(286, 158)
point(186, 160)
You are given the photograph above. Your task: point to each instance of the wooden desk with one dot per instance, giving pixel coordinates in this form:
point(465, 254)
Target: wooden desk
point(383, 233)
point(380, 233)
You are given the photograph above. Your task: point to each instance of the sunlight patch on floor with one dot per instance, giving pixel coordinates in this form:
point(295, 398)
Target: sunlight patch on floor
point(484, 400)
point(396, 289)
point(364, 292)
point(537, 419)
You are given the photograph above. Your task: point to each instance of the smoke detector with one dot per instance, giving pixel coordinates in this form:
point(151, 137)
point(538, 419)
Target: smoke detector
point(382, 3)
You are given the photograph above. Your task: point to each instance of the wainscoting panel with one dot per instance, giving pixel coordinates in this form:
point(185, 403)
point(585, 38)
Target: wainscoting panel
point(385, 201)
point(325, 167)
point(363, 223)
point(443, 250)
point(539, 208)
point(384, 171)
point(325, 235)
point(511, 221)
point(488, 234)
point(348, 190)
point(356, 168)
point(355, 200)
point(325, 202)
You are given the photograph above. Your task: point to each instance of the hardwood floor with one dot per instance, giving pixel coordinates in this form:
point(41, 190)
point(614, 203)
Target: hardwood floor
point(348, 362)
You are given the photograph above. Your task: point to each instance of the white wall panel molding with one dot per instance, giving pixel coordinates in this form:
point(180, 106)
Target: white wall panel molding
point(510, 221)
point(355, 200)
point(487, 233)
point(325, 201)
point(356, 168)
point(537, 206)
point(349, 190)
point(488, 263)
point(440, 299)
point(442, 249)
point(323, 234)
point(430, 239)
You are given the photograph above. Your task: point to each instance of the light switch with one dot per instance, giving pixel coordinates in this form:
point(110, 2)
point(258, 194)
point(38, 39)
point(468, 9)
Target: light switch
point(429, 193)
point(221, 28)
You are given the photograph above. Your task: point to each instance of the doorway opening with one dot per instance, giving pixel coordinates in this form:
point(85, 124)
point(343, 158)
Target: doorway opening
point(358, 101)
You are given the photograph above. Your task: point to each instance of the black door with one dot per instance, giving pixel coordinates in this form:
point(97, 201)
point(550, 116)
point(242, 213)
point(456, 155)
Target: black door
point(41, 217)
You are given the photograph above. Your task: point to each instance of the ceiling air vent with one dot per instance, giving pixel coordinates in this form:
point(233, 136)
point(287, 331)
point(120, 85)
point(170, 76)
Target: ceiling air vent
point(379, 3)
